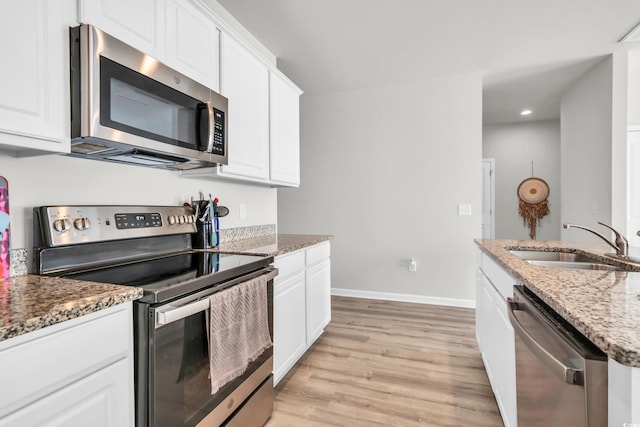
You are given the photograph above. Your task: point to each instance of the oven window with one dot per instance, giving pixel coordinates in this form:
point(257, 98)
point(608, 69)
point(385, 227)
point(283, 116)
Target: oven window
point(134, 103)
point(182, 386)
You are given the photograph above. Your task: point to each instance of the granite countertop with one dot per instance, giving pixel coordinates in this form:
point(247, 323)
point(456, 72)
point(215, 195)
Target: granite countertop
point(29, 303)
point(603, 306)
point(272, 244)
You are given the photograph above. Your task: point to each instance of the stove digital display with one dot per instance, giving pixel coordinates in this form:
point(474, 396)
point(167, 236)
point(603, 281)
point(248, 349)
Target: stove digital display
point(138, 220)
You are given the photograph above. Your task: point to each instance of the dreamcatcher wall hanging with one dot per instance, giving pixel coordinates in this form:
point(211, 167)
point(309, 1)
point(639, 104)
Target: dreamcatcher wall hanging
point(533, 193)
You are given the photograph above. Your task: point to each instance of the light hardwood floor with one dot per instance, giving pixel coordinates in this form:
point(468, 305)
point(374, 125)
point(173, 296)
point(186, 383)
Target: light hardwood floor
point(382, 363)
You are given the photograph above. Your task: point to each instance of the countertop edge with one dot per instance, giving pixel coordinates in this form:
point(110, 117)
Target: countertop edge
point(272, 245)
point(70, 308)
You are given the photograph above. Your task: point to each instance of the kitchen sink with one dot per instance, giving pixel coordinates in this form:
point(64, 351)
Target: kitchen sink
point(552, 256)
point(564, 260)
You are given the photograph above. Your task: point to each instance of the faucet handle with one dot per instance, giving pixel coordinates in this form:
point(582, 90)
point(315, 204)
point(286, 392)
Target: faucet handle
point(621, 241)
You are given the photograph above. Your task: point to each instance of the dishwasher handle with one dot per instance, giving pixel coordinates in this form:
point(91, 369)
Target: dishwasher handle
point(570, 374)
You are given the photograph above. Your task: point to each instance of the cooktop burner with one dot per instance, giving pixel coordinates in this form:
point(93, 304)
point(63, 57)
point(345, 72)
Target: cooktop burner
point(166, 277)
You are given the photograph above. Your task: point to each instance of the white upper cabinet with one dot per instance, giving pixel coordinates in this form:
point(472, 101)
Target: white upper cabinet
point(193, 43)
point(139, 23)
point(34, 89)
point(244, 80)
point(284, 135)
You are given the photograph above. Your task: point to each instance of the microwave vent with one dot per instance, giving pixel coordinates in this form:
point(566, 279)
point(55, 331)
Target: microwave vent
point(145, 158)
point(89, 148)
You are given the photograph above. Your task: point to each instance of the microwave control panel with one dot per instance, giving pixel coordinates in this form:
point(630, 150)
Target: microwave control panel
point(218, 132)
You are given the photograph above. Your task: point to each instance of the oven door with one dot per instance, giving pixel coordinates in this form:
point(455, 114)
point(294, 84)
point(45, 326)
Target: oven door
point(173, 387)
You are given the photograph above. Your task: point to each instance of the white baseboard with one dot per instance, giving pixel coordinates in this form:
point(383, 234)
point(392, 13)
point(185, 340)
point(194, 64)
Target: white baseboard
point(419, 299)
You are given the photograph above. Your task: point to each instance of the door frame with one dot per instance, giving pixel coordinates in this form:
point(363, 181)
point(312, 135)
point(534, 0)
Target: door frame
point(488, 199)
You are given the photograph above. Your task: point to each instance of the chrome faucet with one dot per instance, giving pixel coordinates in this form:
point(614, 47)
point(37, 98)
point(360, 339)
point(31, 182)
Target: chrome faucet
point(621, 244)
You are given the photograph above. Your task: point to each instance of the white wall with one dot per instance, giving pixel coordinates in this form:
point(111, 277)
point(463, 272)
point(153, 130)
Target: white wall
point(514, 146)
point(586, 150)
point(60, 180)
point(383, 170)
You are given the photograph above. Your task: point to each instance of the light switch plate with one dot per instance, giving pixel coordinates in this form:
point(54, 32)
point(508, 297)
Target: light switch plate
point(464, 210)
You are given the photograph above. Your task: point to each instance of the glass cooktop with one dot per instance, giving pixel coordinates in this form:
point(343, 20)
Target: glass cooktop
point(168, 277)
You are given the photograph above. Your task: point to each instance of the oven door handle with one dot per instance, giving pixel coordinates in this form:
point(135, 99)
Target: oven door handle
point(171, 314)
point(570, 374)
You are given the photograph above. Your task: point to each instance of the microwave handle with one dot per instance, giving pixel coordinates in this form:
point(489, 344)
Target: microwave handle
point(211, 127)
point(206, 133)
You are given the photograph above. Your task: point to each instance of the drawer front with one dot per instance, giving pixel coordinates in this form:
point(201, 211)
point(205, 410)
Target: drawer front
point(289, 264)
point(318, 253)
point(498, 276)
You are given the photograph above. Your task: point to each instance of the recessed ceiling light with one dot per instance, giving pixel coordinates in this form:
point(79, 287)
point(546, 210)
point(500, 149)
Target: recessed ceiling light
point(525, 112)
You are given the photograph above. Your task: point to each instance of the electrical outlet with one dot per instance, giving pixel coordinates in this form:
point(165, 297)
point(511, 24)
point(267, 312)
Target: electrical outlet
point(242, 209)
point(413, 267)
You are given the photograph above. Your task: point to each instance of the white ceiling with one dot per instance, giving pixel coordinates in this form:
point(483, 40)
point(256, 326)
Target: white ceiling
point(528, 51)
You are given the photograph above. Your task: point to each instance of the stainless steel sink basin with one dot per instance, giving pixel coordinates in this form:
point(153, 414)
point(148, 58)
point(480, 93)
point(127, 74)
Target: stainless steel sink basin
point(552, 256)
point(564, 260)
point(577, 265)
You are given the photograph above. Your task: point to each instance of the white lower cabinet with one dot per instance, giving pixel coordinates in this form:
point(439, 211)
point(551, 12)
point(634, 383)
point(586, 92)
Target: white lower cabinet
point(301, 304)
point(73, 374)
point(290, 339)
point(495, 336)
point(318, 299)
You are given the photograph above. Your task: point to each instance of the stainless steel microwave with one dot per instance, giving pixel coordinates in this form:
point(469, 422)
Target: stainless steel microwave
point(127, 107)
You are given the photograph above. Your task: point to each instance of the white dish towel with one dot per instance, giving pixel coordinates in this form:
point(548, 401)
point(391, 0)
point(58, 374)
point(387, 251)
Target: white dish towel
point(239, 330)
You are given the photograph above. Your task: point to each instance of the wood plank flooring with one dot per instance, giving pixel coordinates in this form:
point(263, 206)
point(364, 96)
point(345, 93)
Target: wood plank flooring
point(382, 363)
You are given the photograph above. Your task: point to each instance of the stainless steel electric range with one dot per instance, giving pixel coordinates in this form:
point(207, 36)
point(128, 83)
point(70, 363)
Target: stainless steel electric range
point(150, 247)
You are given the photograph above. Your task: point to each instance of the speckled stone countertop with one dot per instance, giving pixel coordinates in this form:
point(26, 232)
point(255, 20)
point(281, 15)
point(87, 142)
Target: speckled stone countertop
point(273, 244)
point(603, 306)
point(29, 303)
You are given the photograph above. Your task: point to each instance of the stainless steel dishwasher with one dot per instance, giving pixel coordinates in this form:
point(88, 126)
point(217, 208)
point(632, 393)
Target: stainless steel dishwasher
point(561, 377)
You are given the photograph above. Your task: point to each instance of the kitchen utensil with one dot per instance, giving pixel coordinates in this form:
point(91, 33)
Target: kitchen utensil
point(221, 211)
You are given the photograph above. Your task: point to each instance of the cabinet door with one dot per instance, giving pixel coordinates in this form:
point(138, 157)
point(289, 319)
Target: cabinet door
point(139, 23)
point(193, 43)
point(244, 80)
point(289, 335)
point(101, 399)
point(318, 285)
point(499, 351)
point(34, 88)
point(479, 309)
point(284, 100)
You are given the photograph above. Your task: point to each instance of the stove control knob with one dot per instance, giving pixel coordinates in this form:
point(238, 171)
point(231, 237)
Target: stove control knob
point(172, 219)
point(61, 225)
point(191, 219)
point(81, 223)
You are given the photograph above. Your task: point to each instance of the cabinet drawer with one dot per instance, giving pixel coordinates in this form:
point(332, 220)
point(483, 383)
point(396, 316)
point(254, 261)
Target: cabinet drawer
point(318, 253)
point(289, 264)
point(500, 279)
